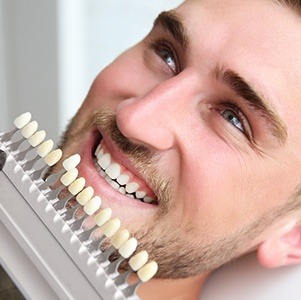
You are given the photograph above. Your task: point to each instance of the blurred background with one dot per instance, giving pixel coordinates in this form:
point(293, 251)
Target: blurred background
point(50, 51)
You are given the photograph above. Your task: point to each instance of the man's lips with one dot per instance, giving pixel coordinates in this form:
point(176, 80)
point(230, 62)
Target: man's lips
point(109, 195)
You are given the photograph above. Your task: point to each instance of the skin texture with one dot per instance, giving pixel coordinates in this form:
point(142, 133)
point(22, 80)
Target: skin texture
point(221, 171)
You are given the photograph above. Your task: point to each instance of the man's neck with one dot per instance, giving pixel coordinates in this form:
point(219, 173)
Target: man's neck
point(175, 289)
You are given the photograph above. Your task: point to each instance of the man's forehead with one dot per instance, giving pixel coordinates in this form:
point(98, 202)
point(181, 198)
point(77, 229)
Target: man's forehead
point(250, 35)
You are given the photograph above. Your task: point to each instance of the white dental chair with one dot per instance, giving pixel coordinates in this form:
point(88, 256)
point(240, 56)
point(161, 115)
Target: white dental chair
point(245, 279)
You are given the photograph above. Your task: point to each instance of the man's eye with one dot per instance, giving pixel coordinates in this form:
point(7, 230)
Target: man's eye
point(231, 111)
point(233, 118)
point(167, 53)
point(168, 58)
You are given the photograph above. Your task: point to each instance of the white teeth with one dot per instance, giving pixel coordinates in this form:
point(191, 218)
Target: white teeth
point(69, 177)
point(97, 150)
point(105, 160)
point(22, 120)
point(140, 194)
point(148, 199)
point(148, 271)
point(76, 186)
point(123, 179)
point(85, 195)
point(138, 260)
point(108, 179)
point(29, 129)
point(37, 138)
point(128, 247)
point(103, 216)
point(119, 238)
point(122, 190)
point(115, 185)
point(111, 227)
point(92, 205)
point(113, 170)
point(53, 157)
point(132, 187)
point(45, 148)
point(71, 162)
point(100, 153)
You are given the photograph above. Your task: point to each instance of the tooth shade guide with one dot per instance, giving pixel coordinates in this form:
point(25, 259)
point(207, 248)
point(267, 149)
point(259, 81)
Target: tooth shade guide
point(119, 238)
point(22, 120)
point(77, 186)
point(85, 195)
point(71, 162)
point(103, 216)
point(92, 205)
point(128, 247)
point(148, 271)
point(45, 148)
point(53, 157)
point(29, 129)
point(37, 138)
point(138, 260)
point(108, 228)
point(67, 178)
point(111, 227)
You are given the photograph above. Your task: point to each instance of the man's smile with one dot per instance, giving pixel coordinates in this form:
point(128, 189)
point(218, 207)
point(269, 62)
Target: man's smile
point(119, 177)
point(114, 178)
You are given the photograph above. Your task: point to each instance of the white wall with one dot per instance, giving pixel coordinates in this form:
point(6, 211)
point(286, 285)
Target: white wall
point(92, 33)
point(50, 51)
point(3, 89)
point(29, 65)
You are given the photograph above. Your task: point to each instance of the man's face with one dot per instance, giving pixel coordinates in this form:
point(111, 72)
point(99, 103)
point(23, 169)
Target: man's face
point(213, 110)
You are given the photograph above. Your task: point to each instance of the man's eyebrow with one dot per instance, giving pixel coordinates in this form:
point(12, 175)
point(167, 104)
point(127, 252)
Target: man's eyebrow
point(171, 21)
point(244, 90)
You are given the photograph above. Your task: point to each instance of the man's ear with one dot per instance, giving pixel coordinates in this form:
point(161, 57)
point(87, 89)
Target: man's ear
point(281, 249)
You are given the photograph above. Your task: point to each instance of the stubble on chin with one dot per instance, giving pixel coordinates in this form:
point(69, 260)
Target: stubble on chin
point(177, 253)
point(180, 252)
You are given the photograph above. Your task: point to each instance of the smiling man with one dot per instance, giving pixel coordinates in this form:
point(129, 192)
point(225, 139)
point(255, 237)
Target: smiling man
point(193, 138)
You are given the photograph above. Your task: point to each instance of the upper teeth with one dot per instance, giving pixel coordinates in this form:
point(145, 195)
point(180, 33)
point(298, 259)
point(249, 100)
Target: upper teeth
point(111, 171)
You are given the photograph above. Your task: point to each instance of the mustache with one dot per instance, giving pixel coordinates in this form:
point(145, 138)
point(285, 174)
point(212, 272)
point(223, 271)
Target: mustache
point(105, 120)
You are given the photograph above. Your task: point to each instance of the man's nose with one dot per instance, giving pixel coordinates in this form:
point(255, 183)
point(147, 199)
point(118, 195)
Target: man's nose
point(154, 119)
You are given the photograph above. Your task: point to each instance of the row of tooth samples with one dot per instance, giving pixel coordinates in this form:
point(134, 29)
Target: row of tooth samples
point(120, 238)
point(35, 140)
point(84, 195)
